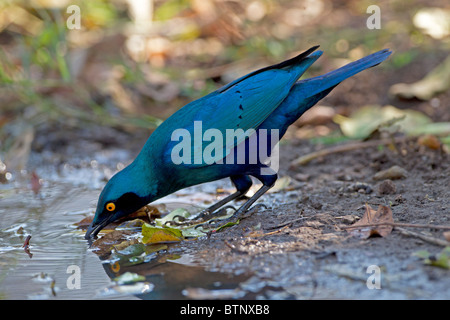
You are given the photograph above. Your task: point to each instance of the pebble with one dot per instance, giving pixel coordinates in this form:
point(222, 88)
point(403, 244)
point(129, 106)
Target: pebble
point(387, 187)
point(393, 173)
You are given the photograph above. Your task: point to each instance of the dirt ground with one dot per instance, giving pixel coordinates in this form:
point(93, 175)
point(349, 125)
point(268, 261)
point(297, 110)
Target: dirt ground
point(313, 257)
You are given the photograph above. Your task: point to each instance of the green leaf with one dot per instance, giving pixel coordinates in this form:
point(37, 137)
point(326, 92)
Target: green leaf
point(441, 260)
point(372, 117)
point(423, 254)
point(436, 128)
point(155, 234)
point(228, 224)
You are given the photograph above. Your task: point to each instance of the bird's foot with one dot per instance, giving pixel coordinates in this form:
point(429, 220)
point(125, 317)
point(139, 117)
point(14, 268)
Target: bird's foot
point(203, 217)
point(177, 220)
point(206, 214)
point(235, 218)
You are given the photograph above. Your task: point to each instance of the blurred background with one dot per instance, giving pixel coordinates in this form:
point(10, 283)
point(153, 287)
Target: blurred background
point(76, 75)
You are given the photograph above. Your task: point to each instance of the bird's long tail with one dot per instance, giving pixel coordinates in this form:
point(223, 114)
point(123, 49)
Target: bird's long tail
point(306, 93)
point(310, 87)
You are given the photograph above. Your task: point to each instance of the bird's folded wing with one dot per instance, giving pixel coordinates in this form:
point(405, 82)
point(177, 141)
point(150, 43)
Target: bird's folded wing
point(237, 107)
point(233, 112)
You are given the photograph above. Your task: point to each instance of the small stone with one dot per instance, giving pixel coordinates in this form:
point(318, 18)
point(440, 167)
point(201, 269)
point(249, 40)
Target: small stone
point(393, 173)
point(387, 187)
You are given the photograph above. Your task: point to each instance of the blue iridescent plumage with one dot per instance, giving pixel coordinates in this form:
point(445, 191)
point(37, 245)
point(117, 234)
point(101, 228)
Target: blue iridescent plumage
point(265, 100)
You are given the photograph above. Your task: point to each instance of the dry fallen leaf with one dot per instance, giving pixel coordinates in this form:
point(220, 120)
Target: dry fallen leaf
point(102, 246)
point(435, 82)
point(447, 235)
point(433, 21)
point(382, 215)
point(429, 141)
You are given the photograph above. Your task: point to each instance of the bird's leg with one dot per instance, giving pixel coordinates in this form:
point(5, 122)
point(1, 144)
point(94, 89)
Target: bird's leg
point(242, 184)
point(252, 200)
point(243, 209)
point(268, 182)
point(209, 211)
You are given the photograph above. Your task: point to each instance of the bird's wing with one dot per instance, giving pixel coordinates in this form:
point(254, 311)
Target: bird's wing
point(239, 106)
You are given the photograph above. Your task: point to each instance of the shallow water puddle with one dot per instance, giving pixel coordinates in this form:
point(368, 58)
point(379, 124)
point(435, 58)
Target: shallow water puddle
point(54, 249)
point(58, 264)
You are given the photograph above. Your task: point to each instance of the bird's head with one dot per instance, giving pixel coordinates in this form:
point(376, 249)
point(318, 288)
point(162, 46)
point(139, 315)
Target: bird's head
point(119, 198)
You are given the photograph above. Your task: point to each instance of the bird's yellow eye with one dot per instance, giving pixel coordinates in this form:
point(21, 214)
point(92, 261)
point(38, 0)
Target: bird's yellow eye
point(110, 206)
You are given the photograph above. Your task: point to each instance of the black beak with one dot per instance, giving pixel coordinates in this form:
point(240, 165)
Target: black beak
point(94, 228)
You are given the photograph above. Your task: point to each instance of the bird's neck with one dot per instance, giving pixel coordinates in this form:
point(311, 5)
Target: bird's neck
point(141, 178)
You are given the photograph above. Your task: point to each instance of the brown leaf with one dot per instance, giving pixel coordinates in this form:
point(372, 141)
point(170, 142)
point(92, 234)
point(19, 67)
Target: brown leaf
point(102, 246)
point(447, 235)
point(382, 215)
point(84, 223)
point(429, 141)
point(146, 213)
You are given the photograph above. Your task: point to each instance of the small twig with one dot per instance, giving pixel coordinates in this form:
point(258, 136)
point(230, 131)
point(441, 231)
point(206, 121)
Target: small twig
point(398, 224)
point(26, 243)
point(432, 240)
point(270, 233)
point(289, 223)
point(52, 287)
point(26, 246)
point(347, 147)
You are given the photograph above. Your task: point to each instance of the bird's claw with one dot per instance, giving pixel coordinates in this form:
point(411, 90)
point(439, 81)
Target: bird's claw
point(215, 217)
point(236, 217)
point(203, 217)
point(177, 220)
